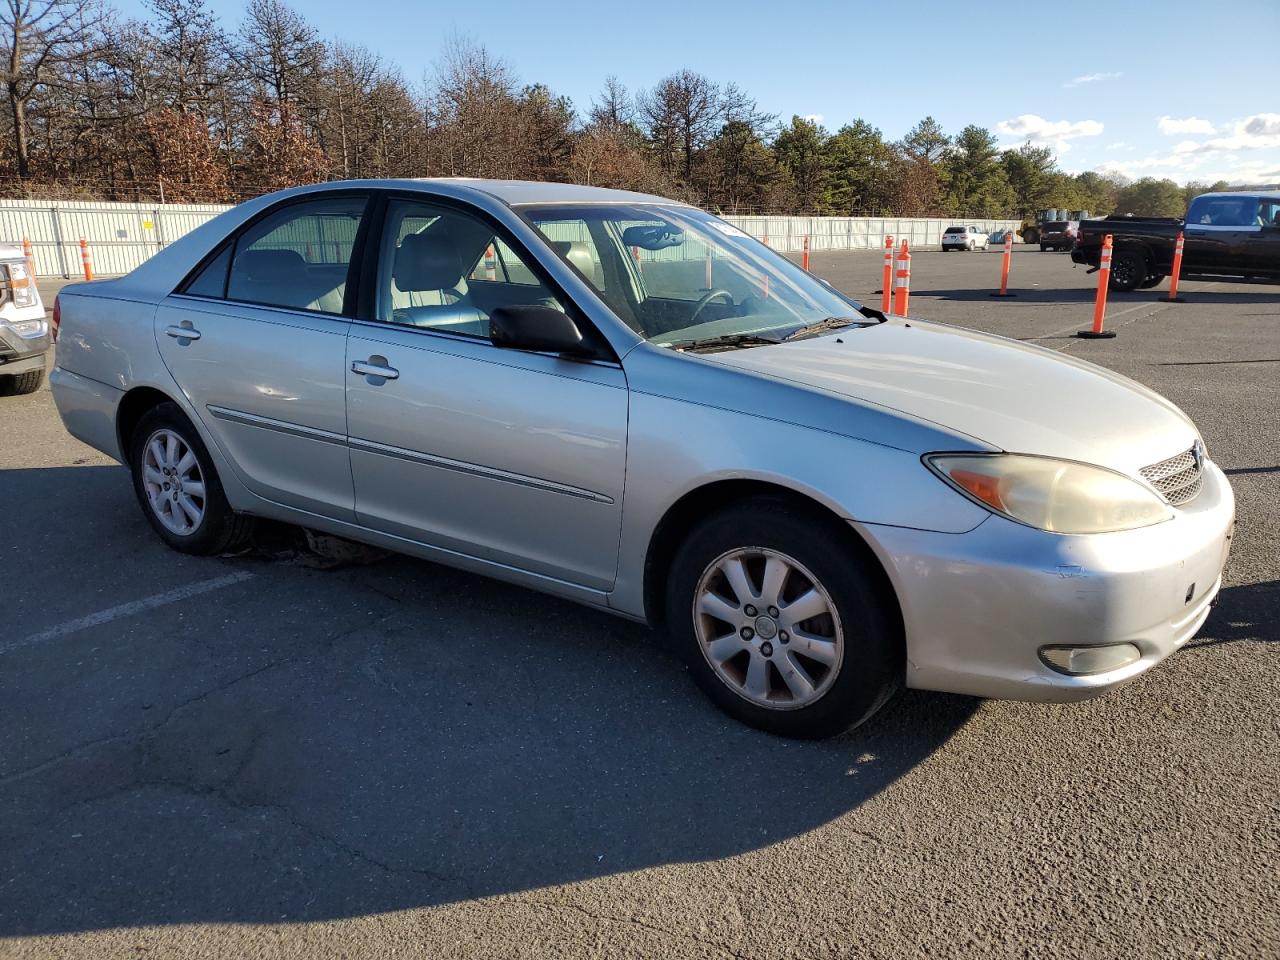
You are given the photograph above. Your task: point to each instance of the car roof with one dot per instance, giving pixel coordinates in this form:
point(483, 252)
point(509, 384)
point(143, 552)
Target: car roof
point(1260, 194)
point(511, 192)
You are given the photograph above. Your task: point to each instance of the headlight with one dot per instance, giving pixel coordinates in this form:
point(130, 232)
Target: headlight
point(1056, 495)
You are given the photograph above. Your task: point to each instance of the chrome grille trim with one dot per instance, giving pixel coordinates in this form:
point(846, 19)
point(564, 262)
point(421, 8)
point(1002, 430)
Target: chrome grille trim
point(1177, 479)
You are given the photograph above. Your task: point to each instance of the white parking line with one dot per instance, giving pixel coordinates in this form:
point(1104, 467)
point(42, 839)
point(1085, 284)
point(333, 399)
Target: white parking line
point(126, 610)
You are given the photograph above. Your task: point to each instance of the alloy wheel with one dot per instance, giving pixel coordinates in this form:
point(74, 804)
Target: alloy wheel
point(173, 482)
point(768, 628)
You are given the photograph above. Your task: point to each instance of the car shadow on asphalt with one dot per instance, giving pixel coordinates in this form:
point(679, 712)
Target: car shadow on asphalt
point(1249, 613)
point(415, 736)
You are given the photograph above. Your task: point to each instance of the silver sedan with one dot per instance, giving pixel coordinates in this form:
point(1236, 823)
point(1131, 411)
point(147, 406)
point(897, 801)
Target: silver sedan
point(622, 400)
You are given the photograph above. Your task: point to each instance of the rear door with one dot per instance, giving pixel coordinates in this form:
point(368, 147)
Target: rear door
point(256, 340)
point(512, 457)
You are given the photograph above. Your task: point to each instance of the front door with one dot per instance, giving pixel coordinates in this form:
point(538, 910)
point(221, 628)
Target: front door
point(257, 343)
point(512, 457)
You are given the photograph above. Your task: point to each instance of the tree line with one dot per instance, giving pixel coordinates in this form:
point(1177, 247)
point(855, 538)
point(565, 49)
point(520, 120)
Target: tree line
point(179, 108)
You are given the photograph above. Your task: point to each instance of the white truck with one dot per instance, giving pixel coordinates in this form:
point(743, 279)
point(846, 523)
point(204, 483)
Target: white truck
point(25, 333)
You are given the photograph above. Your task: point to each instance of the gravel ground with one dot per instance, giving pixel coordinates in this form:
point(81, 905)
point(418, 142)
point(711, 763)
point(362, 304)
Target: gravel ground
point(397, 758)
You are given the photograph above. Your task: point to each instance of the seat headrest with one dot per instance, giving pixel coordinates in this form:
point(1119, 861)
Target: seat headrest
point(426, 262)
point(578, 254)
point(270, 264)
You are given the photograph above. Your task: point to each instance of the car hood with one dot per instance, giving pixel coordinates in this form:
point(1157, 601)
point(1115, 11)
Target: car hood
point(1006, 394)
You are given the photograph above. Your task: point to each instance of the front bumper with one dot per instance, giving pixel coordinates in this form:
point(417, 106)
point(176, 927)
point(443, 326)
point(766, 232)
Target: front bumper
point(977, 607)
point(18, 354)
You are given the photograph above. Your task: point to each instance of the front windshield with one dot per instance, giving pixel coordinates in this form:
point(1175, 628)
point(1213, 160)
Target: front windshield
point(678, 276)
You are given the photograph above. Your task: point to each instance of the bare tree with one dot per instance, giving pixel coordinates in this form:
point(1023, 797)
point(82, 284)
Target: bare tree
point(38, 36)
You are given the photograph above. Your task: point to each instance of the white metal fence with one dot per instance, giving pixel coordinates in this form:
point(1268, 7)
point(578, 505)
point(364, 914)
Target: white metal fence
point(123, 235)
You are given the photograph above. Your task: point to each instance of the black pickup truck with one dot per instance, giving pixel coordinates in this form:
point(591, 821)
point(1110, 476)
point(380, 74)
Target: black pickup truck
point(1228, 236)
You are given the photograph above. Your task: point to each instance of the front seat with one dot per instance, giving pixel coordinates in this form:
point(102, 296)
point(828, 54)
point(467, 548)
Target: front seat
point(432, 265)
point(579, 255)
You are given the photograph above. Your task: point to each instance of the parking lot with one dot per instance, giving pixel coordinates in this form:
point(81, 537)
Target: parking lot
point(260, 755)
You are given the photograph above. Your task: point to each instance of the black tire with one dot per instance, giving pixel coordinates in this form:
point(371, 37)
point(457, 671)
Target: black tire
point(1150, 282)
point(1044, 247)
point(873, 662)
point(220, 528)
point(1128, 270)
point(17, 384)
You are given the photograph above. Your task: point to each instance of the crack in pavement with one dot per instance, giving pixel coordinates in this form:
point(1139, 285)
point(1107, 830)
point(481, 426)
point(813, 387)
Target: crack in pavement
point(153, 729)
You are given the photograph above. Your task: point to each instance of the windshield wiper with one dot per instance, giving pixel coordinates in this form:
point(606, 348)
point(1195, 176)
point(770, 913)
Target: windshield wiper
point(725, 342)
point(822, 326)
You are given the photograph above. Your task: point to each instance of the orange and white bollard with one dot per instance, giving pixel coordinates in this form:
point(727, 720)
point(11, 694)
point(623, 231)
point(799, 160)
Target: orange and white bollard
point(30, 257)
point(1176, 272)
point(85, 259)
point(490, 264)
point(804, 259)
point(1004, 267)
point(1100, 301)
point(902, 282)
point(886, 286)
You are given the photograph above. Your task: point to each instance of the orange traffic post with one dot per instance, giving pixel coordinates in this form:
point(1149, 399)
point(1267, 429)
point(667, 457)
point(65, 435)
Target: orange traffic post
point(886, 286)
point(1100, 302)
point(902, 282)
point(85, 260)
point(490, 264)
point(1176, 272)
point(804, 260)
point(1004, 267)
point(30, 257)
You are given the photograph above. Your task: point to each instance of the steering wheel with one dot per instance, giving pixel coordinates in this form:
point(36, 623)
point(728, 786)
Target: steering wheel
point(707, 298)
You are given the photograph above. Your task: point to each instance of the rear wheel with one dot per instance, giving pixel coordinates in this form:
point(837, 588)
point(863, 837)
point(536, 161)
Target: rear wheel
point(782, 623)
point(1128, 270)
point(178, 487)
point(1150, 282)
point(1044, 247)
point(18, 384)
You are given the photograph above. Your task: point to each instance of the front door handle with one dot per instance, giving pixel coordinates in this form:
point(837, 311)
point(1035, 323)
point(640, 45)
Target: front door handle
point(187, 332)
point(375, 367)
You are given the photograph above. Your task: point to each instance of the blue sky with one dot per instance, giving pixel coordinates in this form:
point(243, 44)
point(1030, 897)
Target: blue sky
point(1180, 89)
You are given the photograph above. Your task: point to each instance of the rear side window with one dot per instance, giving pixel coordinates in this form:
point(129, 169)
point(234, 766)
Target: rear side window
point(298, 256)
point(212, 280)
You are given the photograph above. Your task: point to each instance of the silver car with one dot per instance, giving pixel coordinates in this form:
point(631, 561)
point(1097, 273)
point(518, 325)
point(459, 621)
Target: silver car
point(622, 400)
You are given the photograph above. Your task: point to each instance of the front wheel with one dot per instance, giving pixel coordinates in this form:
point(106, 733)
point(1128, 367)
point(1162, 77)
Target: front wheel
point(18, 384)
point(783, 622)
point(178, 487)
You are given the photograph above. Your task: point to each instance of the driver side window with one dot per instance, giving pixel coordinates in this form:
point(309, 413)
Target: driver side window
point(446, 270)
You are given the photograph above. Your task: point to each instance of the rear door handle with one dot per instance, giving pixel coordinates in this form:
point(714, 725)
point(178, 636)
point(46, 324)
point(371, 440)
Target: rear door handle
point(375, 367)
point(183, 333)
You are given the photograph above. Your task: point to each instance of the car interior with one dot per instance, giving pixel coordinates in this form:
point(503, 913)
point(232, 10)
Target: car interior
point(446, 273)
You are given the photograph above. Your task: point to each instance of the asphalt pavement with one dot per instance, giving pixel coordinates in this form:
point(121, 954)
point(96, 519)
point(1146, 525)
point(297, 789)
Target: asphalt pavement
point(259, 756)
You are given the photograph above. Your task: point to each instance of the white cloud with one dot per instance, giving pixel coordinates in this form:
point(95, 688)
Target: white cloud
point(1091, 78)
point(813, 117)
point(1261, 131)
point(1118, 145)
point(1200, 167)
point(1052, 133)
point(1172, 125)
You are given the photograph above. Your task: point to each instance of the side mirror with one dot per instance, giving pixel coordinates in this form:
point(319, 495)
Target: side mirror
point(535, 327)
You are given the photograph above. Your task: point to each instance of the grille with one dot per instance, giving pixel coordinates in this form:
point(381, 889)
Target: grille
point(1177, 479)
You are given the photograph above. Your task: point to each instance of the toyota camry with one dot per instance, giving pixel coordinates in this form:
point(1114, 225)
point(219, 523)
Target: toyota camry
point(625, 401)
